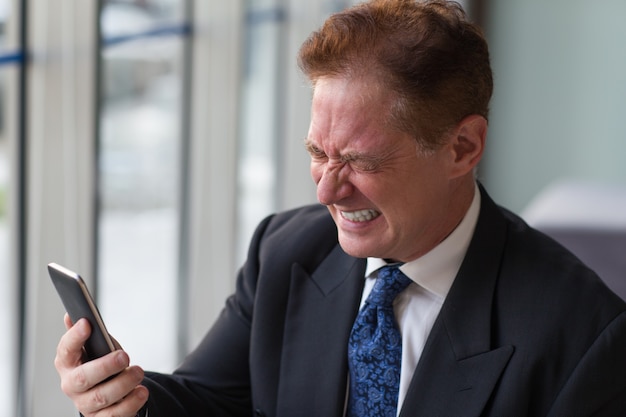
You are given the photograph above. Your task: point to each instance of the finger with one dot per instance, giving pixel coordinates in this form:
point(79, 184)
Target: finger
point(92, 373)
point(70, 347)
point(119, 393)
point(132, 403)
point(67, 321)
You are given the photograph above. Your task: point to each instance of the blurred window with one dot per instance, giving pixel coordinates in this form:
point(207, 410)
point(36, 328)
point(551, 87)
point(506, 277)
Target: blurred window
point(258, 154)
point(10, 59)
point(7, 303)
point(141, 138)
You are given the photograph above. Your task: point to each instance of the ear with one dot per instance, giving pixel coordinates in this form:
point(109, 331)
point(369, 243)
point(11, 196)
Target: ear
point(467, 144)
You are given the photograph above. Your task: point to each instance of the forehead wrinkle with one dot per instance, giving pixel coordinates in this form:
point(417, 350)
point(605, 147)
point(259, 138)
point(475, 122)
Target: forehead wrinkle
point(340, 132)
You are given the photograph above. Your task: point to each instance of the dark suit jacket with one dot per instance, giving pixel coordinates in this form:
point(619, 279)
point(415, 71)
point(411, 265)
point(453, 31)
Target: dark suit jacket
point(526, 330)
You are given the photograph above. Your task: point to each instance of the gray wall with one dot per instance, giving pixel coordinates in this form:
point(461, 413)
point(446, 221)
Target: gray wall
point(560, 101)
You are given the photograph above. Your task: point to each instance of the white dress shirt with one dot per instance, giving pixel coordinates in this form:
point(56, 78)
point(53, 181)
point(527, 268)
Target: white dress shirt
point(417, 307)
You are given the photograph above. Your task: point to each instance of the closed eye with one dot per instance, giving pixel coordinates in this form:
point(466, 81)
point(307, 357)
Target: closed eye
point(363, 163)
point(358, 161)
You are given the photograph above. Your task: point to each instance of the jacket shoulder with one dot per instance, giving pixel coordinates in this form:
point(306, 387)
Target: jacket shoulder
point(304, 235)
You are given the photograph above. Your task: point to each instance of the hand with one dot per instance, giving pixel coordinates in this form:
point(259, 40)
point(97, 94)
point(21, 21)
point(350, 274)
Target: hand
point(120, 396)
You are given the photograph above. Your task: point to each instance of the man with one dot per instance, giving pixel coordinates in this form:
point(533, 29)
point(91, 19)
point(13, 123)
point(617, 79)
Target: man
point(496, 319)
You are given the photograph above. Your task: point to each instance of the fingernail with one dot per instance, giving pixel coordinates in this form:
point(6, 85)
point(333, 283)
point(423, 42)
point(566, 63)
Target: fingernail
point(142, 394)
point(139, 373)
point(122, 359)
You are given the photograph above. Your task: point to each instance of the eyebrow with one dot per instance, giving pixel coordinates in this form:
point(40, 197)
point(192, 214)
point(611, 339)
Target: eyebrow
point(309, 145)
point(348, 157)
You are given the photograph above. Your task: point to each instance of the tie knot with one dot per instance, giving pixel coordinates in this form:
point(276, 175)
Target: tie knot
point(390, 282)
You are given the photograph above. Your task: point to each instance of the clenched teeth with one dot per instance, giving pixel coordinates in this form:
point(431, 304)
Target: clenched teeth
point(360, 215)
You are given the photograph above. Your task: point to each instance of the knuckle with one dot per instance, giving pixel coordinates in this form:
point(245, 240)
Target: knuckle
point(98, 399)
point(66, 356)
point(66, 388)
point(58, 363)
point(80, 380)
point(62, 353)
point(74, 382)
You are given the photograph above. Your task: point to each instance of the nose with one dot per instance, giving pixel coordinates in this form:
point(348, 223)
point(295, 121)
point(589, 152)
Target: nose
point(333, 184)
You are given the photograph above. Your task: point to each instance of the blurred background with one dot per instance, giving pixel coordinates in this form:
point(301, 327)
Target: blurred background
point(142, 140)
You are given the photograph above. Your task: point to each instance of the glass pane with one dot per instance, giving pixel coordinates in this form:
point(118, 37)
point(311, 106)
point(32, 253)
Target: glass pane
point(8, 302)
point(7, 305)
point(258, 153)
point(139, 163)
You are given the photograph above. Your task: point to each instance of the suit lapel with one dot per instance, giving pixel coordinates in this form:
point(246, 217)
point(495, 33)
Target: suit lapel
point(320, 314)
point(458, 369)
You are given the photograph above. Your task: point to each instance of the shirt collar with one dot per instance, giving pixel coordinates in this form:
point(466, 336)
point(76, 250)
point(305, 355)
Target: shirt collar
point(435, 271)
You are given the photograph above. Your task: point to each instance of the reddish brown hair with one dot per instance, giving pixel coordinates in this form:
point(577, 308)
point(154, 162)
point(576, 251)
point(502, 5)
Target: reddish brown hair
point(428, 53)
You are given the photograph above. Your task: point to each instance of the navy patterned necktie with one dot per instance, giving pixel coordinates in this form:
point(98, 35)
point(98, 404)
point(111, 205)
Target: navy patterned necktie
point(375, 350)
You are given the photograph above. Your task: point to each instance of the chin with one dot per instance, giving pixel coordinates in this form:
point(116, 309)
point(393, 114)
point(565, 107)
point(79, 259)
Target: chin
point(358, 249)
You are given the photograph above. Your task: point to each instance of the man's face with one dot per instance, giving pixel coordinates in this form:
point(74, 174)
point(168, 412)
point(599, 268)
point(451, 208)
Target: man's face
point(388, 199)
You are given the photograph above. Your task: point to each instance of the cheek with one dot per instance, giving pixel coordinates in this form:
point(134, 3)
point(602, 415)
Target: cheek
point(401, 199)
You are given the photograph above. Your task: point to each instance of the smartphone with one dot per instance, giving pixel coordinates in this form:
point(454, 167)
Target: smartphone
point(79, 304)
